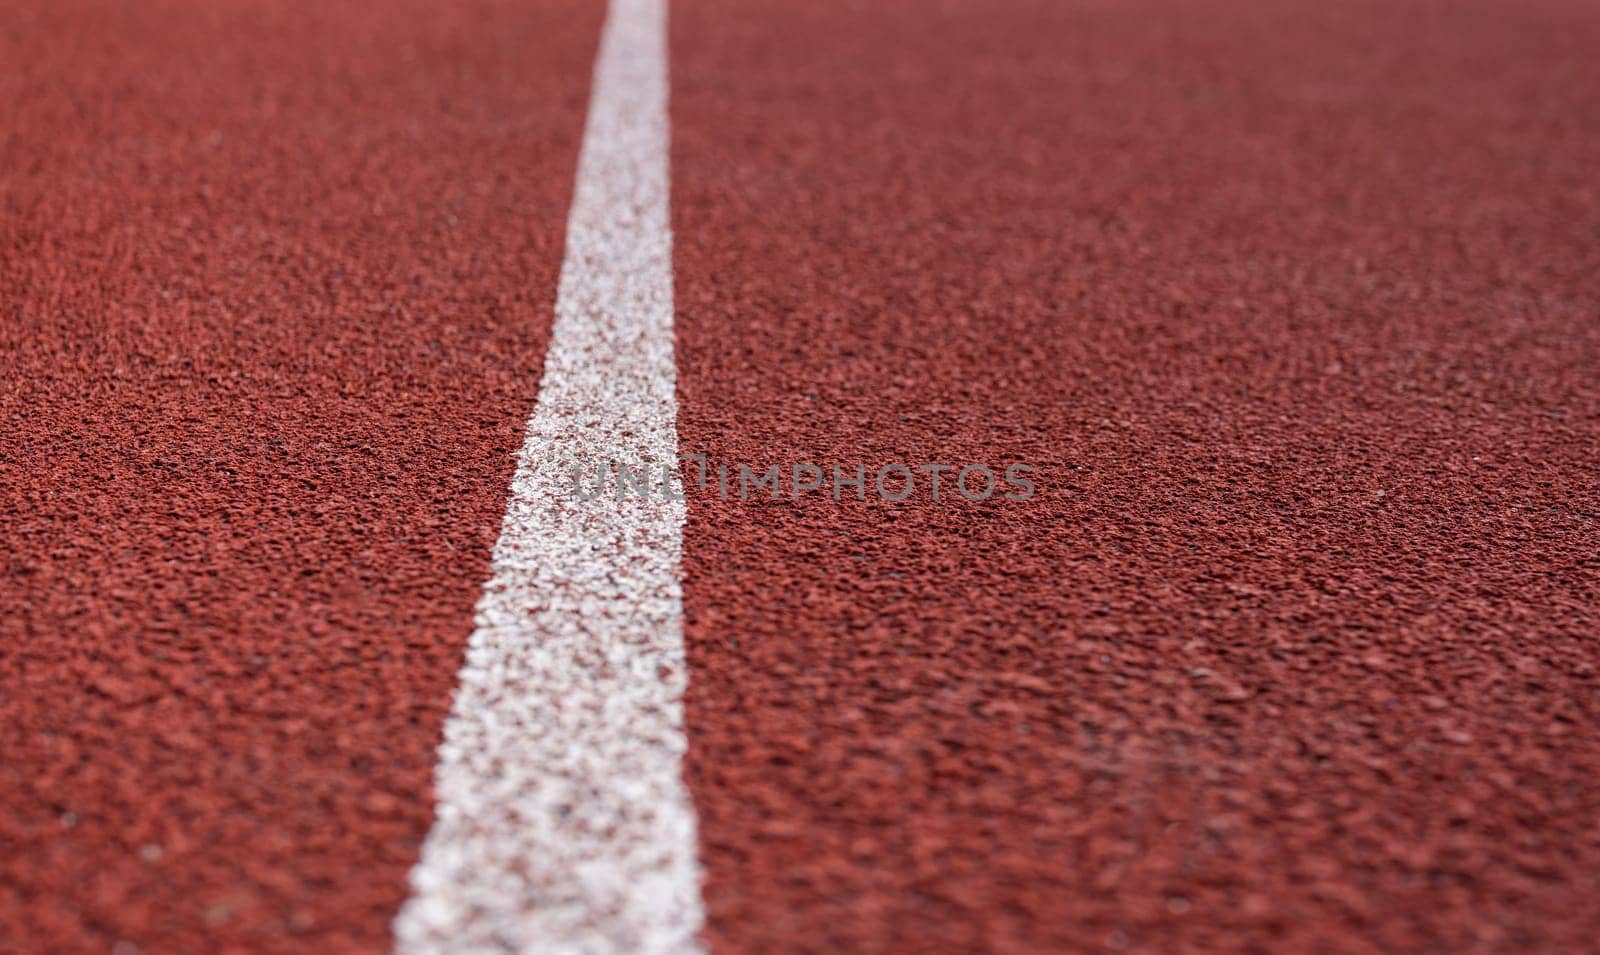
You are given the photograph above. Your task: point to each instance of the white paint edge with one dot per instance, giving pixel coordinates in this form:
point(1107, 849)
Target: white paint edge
point(563, 821)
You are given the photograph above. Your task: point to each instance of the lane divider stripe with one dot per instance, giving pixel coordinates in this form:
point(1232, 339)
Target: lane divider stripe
point(563, 822)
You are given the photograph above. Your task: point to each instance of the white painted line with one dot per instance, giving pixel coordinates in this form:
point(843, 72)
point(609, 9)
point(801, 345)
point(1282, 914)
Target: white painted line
point(563, 822)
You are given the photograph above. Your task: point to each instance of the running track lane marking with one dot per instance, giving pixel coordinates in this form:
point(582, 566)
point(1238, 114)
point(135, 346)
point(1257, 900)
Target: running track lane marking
point(563, 822)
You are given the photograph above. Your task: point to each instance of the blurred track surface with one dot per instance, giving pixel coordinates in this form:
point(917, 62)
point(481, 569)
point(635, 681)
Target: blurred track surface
point(1294, 307)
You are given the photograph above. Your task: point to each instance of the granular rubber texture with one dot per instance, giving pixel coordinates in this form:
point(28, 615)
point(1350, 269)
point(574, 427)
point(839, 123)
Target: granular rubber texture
point(1296, 308)
point(276, 280)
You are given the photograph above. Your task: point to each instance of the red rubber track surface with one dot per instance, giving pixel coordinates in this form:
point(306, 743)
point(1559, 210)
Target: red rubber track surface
point(275, 285)
point(1297, 308)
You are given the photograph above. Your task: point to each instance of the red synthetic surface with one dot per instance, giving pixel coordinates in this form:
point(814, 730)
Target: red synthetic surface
point(275, 284)
point(1296, 309)
point(1297, 305)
